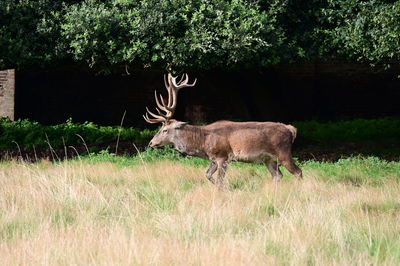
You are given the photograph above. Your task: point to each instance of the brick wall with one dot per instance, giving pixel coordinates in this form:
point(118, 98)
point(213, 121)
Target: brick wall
point(325, 91)
point(7, 90)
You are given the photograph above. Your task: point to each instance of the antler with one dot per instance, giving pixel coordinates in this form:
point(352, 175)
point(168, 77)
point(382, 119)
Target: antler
point(173, 88)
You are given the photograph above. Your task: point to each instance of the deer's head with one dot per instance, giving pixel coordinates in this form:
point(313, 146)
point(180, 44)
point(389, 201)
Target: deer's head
point(168, 133)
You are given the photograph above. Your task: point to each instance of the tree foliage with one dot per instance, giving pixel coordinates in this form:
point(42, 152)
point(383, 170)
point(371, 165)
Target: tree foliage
point(202, 34)
point(182, 33)
point(29, 32)
point(365, 30)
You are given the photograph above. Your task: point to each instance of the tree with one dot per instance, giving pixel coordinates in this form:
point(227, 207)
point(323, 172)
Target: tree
point(201, 34)
point(367, 31)
point(182, 33)
point(30, 32)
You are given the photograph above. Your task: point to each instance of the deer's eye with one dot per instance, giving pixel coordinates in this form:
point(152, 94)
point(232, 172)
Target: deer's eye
point(164, 130)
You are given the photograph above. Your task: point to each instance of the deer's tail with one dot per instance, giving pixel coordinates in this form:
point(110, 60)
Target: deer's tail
point(292, 130)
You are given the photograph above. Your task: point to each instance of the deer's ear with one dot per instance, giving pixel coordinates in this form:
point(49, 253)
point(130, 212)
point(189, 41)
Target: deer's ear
point(179, 124)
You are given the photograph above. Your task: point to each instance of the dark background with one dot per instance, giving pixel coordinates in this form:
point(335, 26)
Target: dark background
point(286, 93)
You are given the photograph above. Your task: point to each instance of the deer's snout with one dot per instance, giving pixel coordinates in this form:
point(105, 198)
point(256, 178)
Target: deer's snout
point(152, 144)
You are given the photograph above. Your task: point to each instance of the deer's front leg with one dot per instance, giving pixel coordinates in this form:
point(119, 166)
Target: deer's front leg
point(222, 165)
point(210, 171)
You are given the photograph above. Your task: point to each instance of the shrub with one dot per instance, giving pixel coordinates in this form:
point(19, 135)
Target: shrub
point(381, 130)
point(28, 134)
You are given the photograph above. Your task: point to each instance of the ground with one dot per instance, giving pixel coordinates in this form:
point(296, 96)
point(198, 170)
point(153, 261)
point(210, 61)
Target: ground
point(111, 210)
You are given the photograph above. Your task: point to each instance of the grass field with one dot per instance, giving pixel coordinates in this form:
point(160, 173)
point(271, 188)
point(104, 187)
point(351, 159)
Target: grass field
point(116, 210)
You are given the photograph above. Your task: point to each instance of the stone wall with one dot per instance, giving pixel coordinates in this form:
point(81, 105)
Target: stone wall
point(7, 91)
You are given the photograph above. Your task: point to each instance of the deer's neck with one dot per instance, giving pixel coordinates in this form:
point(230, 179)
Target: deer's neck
point(191, 141)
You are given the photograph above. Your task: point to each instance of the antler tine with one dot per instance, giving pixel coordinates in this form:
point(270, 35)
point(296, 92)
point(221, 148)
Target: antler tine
point(168, 82)
point(151, 121)
point(162, 104)
point(148, 120)
point(165, 81)
point(169, 113)
point(183, 76)
point(194, 83)
point(175, 87)
point(172, 87)
point(155, 116)
point(159, 112)
point(182, 83)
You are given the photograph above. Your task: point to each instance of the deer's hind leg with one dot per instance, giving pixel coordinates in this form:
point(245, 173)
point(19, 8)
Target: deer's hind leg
point(273, 168)
point(287, 161)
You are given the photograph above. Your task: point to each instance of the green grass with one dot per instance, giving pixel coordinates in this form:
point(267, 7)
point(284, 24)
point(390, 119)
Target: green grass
point(148, 155)
point(353, 170)
point(158, 207)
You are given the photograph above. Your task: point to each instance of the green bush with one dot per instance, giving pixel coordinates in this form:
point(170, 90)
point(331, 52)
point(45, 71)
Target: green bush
point(29, 134)
point(377, 130)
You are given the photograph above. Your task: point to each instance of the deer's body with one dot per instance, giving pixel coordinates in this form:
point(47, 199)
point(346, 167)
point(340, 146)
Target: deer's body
point(237, 141)
point(224, 141)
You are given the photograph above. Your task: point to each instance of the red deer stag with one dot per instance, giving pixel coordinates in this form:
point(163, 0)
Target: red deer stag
point(223, 141)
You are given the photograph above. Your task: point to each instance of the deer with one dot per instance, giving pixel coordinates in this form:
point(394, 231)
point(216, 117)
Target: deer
point(268, 143)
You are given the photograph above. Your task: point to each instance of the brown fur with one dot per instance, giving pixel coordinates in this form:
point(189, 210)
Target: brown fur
point(293, 130)
point(224, 141)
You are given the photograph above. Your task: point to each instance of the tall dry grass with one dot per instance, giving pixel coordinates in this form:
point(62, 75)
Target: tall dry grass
point(166, 213)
